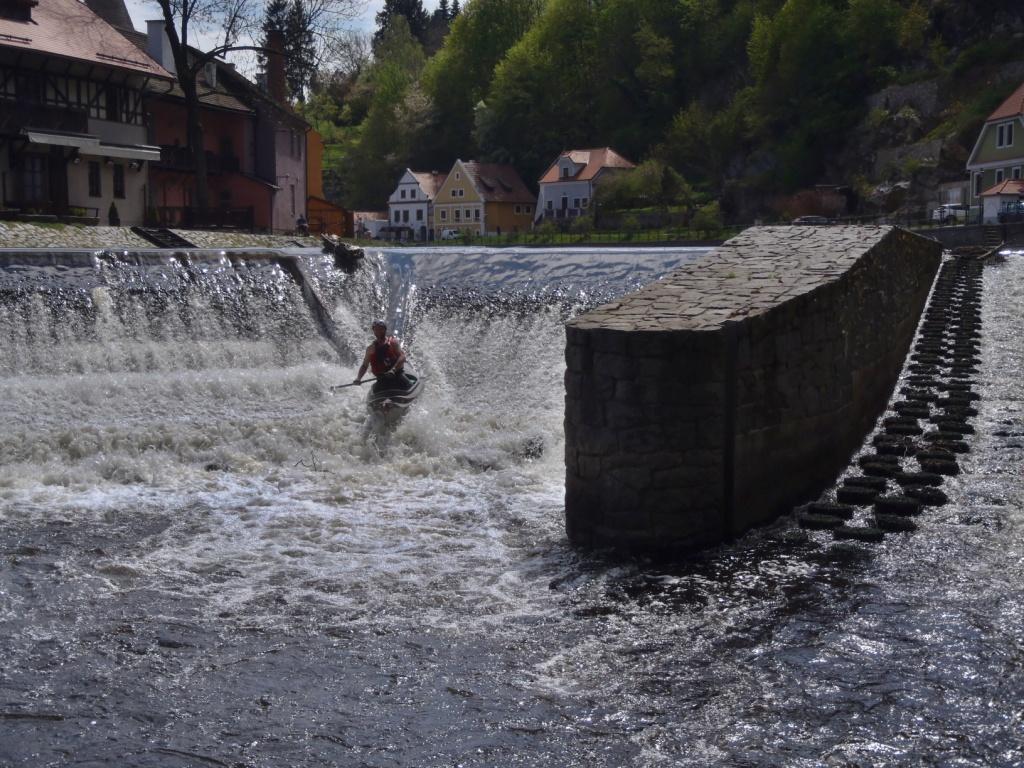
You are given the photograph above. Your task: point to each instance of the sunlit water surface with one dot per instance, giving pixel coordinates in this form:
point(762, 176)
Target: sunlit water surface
point(210, 559)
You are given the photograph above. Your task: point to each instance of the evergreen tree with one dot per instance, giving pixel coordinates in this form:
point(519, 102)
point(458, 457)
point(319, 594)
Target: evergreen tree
point(411, 10)
point(456, 10)
point(275, 18)
point(300, 51)
point(443, 10)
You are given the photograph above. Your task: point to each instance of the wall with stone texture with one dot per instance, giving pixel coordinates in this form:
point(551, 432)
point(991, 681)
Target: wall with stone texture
point(716, 398)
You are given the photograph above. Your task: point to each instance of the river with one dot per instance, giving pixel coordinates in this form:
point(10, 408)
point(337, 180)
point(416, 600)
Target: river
point(210, 559)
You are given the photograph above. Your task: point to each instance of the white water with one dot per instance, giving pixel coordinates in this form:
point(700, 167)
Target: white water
point(209, 403)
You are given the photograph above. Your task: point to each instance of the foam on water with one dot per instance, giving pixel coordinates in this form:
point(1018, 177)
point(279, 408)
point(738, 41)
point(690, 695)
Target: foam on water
point(198, 389)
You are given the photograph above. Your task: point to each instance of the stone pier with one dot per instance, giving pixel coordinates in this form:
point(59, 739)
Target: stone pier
point(715, 399)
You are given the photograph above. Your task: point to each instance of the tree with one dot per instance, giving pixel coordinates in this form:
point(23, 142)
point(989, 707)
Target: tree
point(479, 39)
point(412, 11)
point(232, 18)
point(275, 19)
point(300, 51)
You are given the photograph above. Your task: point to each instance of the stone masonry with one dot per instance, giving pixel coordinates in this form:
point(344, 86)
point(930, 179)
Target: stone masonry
point(713, 400)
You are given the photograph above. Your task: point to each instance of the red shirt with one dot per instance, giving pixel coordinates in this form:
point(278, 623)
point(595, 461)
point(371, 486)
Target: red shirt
point(384, 355)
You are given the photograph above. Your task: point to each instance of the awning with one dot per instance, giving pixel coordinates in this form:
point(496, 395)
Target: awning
point(129, 152)
point(91, 145)
point(79, 140)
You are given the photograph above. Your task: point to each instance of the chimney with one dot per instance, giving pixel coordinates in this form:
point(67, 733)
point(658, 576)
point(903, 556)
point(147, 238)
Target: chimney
point(158, 46)
point(277, 87)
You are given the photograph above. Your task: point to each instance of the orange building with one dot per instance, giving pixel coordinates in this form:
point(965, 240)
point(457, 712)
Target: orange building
point(324, 216)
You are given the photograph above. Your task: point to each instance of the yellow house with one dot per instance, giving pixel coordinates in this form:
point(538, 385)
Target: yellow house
point(483, 198)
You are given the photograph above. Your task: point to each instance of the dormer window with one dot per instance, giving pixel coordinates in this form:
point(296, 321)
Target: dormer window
point(1004, 135)
point(565, 172)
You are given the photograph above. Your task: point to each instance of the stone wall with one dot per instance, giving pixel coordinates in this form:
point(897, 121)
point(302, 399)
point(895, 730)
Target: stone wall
point(712, 400)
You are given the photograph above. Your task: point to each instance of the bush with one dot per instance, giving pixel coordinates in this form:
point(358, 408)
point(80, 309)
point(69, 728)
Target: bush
point(583, 225)
point(708, 218)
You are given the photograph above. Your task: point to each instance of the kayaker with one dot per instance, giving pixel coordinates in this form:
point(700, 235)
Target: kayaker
point(385, 358)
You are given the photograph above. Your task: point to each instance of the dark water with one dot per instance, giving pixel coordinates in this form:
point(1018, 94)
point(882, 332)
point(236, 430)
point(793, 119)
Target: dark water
point(207, 561)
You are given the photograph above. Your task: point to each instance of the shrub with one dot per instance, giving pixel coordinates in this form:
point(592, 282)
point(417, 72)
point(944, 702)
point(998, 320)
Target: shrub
point(708, 218)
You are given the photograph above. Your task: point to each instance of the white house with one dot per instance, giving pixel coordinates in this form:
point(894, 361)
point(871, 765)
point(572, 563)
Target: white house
point(567, 186)
point(411, 205)
point(998, 158)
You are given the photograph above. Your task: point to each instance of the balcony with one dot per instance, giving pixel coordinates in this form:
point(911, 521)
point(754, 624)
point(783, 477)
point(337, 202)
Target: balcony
point(180, 159)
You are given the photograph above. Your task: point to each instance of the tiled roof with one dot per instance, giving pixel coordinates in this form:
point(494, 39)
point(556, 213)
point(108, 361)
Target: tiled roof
point(592, 160)
point(69, 30)
point(498, 183)
point(1008, 187)
point(430, 182)
point(1012, 107)
point(212, 97)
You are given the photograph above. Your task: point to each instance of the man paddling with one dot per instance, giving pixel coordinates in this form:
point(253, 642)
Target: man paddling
point(385, 358)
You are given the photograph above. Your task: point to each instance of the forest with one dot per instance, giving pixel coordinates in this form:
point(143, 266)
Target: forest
point(740, 100)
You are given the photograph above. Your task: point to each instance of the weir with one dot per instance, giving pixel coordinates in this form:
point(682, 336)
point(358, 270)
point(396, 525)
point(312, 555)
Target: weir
point(713, 400)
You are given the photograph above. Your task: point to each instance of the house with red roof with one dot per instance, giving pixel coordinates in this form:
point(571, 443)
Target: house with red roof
point(483, 198)
point(567, 186)
point(411, 205)
point(996, 164)
point(73, 134)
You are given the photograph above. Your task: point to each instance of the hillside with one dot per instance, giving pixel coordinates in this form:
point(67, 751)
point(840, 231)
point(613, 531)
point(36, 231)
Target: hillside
point(751, 101)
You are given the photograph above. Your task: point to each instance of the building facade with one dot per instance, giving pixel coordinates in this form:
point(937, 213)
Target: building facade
point(411, 205)
point(567, 186)
point(483, 199)
point(73, 134)
point(998, 157)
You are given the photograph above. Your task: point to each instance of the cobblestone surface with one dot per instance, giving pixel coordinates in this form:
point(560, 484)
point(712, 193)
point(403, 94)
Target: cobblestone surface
point(15, 234)
point(744, 277)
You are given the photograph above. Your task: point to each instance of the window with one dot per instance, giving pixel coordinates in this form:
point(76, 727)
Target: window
point(34, 178)
point(1016, 172)
point(551, 205)
point(519, 209)
point(113, 102)
point(119, 181)
point(586, 201)
point(398, 216)
point(469, 214)
point(293, 199)
point(402, 194)
point(444, 215)
point(1004, 135)
point(454, 193)
point(457, 176)
point(462, 193)
point(458, 213)
point(977, 184)
point(565, 172)
point(476, 214)
point(1000, 175)
point(575, 202)
point(412, 194)
point(95, 189)
point(528, 208)
point(419, 214)
point(405, 216)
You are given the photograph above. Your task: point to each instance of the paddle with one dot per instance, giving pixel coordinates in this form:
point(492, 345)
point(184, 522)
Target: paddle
point(353, 384)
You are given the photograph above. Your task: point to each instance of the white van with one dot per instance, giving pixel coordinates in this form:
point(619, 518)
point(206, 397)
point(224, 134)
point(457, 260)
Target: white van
point(449, 234)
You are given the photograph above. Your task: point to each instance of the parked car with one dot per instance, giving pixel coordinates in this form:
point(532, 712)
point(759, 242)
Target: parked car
point(1011, 212)
point(948, 213)
point(450, 234)
point(806, 220)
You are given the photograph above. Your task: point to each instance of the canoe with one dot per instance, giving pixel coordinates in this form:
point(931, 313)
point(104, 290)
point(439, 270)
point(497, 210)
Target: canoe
point(389, 398)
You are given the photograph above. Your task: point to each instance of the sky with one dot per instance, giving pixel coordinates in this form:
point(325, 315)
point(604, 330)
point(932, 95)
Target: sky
point(141, 10)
